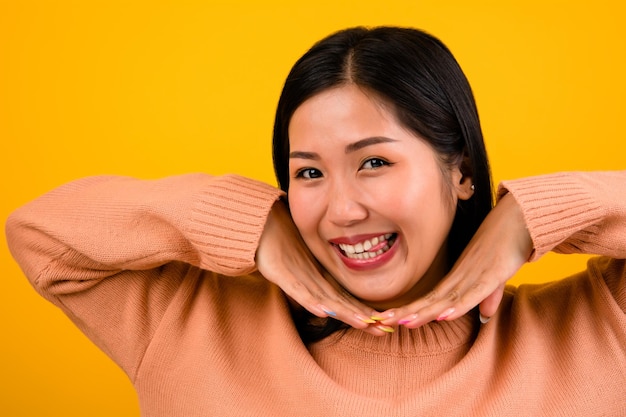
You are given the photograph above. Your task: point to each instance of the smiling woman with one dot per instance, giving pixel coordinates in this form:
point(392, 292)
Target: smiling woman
point(348, 193)
point(372, 283)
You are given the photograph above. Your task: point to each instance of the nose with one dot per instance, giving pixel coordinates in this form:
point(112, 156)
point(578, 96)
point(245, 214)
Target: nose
point(345, 205)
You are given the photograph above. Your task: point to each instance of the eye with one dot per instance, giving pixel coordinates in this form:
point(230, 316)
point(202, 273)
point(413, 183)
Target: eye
point(374, 163)
point(309, 173)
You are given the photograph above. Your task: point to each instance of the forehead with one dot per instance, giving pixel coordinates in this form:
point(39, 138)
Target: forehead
point(346, 112)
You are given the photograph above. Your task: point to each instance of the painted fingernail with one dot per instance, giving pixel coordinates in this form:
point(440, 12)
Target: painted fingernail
point(328, 311)
point(484, 319)
point(377, 318)
point(365, 319)
point(407, 319)
point(445, 314)
point(386, 329)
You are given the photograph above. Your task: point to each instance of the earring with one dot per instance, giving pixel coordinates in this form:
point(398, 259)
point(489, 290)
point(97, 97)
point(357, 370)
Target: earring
point(473, 187)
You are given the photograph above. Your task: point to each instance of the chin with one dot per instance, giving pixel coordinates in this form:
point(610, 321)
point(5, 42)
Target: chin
point(378, 298)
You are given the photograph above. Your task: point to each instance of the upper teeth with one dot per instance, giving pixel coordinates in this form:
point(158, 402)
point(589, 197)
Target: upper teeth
point(364, 246)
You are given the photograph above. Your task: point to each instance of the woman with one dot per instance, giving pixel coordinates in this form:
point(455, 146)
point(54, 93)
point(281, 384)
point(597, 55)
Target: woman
point(355, 293)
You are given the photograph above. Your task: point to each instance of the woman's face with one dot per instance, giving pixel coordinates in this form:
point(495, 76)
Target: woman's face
point(371, 199)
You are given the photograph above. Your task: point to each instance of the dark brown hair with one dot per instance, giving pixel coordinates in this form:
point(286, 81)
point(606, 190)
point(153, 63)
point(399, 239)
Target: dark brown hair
point(415, 73)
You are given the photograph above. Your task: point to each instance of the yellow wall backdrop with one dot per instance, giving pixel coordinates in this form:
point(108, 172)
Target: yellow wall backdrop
point(155, 88)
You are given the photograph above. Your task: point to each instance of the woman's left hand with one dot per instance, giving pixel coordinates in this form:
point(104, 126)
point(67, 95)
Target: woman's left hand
point(500, 247)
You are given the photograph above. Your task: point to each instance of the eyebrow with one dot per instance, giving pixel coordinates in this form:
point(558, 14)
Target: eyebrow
point(360, 144)
point(352, 147)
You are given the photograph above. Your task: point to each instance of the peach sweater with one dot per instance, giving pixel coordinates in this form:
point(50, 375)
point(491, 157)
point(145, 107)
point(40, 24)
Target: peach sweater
point(129, 262)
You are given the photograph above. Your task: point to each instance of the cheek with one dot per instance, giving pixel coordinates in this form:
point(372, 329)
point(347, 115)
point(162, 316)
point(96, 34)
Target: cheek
point(407, 198)
point(303, 210)
point(420, 202)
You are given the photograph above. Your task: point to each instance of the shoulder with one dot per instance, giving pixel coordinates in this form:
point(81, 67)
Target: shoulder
point(587, 301)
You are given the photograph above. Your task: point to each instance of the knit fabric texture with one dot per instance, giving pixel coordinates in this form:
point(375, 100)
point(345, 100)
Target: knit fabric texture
point(160, 274)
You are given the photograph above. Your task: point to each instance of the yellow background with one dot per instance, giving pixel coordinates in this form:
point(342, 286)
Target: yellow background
point(153, 88)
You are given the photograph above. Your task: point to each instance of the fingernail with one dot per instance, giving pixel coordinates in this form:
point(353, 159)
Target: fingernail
point(382, 317)
point(408, 319)
point(377, 318)
point(386, 329)
point(484, 319)
point(328, 311)
point(445, 314)
point(365, 319)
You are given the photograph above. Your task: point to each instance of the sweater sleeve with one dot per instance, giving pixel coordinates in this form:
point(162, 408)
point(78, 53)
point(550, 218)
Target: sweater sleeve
point(577, 212)
point(113, 252)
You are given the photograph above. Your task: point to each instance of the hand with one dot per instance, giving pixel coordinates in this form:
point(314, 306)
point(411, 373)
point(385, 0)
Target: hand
point(500, 247)
point(284, 259)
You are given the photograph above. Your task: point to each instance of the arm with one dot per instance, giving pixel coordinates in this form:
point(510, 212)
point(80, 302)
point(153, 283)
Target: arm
point(112, 252)
point(566, 212)
point(583, 212)
point(579, 212)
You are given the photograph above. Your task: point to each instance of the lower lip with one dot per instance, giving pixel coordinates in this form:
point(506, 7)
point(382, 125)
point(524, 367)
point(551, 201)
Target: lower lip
point(371, 263)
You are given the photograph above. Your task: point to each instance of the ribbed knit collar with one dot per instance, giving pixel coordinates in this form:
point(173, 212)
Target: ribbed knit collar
point(432, 338)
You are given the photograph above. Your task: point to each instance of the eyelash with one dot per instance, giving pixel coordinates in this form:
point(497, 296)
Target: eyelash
point(380, 160)
point(302, 173)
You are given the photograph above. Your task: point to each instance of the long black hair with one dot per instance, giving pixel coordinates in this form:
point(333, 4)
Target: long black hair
point(417, 74)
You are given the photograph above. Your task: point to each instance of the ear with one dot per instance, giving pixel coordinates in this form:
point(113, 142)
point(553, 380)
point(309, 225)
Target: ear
point(464, 188)
point(462, 181)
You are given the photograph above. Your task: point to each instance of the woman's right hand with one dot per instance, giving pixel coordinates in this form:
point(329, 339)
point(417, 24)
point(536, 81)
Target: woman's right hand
point(284, 259)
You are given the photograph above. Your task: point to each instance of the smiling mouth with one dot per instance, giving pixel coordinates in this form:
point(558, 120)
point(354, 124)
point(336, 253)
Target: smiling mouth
point(369, 248)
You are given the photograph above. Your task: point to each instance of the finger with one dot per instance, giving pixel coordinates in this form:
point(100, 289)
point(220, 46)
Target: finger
point(372, 327)
point(357, 320)
point(448, 292)
point(324, 300)
point(489, 306)
point(408, 313)
point(448, 301)
point(459, 300)
point(361, 311)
